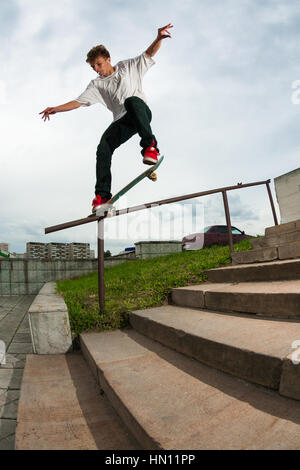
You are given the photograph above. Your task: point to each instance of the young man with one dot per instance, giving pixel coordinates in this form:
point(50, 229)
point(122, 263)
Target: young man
point(119, 88)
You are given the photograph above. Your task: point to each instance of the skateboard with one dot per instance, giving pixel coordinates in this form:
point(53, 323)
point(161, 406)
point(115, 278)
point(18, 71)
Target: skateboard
point(108, 206)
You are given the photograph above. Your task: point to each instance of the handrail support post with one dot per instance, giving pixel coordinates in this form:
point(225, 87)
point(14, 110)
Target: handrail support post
point(228, 221)
point(272, 202)
point(101, 286)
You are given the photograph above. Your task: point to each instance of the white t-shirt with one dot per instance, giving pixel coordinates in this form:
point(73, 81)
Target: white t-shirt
point(124, 82)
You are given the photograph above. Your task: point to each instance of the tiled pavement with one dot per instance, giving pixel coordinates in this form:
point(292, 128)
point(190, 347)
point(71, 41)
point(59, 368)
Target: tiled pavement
point(15, 332)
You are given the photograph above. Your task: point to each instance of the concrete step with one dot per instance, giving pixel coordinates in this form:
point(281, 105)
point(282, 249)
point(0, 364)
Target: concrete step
point(283, 228)
point(276, 240)
point(255, 256)
point(274, 299)
point(292, 250)
point(278, 270)
point(60, 408)
point(252, 349)
point(288, 251)
point(170, 401)
point(257, 243)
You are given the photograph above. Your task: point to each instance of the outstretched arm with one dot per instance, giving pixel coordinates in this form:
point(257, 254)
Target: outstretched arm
point(163, 33)
point(59, 109)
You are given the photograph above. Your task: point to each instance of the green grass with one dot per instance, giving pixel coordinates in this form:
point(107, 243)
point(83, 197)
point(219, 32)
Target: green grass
point(135, 285)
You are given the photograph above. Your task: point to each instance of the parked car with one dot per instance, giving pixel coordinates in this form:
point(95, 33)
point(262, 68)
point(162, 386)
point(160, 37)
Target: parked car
point(212, 235)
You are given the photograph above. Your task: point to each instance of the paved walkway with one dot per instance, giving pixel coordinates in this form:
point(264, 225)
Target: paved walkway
point(15, 332)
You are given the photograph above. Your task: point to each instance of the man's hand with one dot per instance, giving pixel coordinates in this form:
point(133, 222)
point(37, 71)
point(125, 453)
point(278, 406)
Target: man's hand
point(46, 113)
point(163, 32)
point(59, 109)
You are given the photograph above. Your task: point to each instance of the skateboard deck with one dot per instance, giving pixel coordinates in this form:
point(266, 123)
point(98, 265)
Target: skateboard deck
point(108, 206)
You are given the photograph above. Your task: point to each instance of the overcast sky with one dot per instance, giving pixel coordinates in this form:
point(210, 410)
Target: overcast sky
point(220, 94)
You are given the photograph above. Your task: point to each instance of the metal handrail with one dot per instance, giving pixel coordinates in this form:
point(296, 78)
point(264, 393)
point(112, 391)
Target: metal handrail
point(100, 220)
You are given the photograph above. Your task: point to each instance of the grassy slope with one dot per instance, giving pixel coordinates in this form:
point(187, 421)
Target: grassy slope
point(136, 285)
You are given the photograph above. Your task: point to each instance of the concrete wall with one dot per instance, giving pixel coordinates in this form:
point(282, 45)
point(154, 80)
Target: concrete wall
point(25, 276)
point(151, 249)
point(118, 259)
point(145, 250)
point(287, 189)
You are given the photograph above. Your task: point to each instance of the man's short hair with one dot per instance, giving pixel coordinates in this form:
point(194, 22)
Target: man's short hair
point(96, 52)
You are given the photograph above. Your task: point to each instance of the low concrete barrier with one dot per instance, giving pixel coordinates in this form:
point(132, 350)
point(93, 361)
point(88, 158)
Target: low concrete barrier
point(49, 322)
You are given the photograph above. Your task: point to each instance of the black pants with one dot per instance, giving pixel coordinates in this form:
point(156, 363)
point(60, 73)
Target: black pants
point(136, 120)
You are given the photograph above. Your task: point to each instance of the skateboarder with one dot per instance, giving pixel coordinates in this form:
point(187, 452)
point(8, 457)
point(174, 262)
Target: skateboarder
point(119, 88)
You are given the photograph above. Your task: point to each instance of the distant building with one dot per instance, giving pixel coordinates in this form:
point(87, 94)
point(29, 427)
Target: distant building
point(36, 250)
point(4, 251)
point(58, 251)
point(4, 247)
point(287, 189)
point(80, 250)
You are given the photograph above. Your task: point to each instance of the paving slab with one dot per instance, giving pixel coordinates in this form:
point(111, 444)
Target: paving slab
point(8, 396)
point(9, 410)
point(14, 361)
point(14, 330)
point(22, 337)
point(170, 401)
point(7, 443)
point(20, 348)
point(7, 428)
point(16, 310)
point(60, 408)
point(10, 378)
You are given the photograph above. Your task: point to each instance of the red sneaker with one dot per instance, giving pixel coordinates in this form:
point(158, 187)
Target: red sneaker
point(98, 201)
point(151, 154)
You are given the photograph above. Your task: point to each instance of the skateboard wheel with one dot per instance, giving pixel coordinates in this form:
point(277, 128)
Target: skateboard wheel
point(153, 176)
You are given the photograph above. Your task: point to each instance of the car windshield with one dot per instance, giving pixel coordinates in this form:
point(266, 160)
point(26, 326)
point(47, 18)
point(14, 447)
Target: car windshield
point(222, 229)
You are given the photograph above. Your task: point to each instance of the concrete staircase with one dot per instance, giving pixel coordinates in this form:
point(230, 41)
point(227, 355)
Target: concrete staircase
point(216, 368)
point(279, 242)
